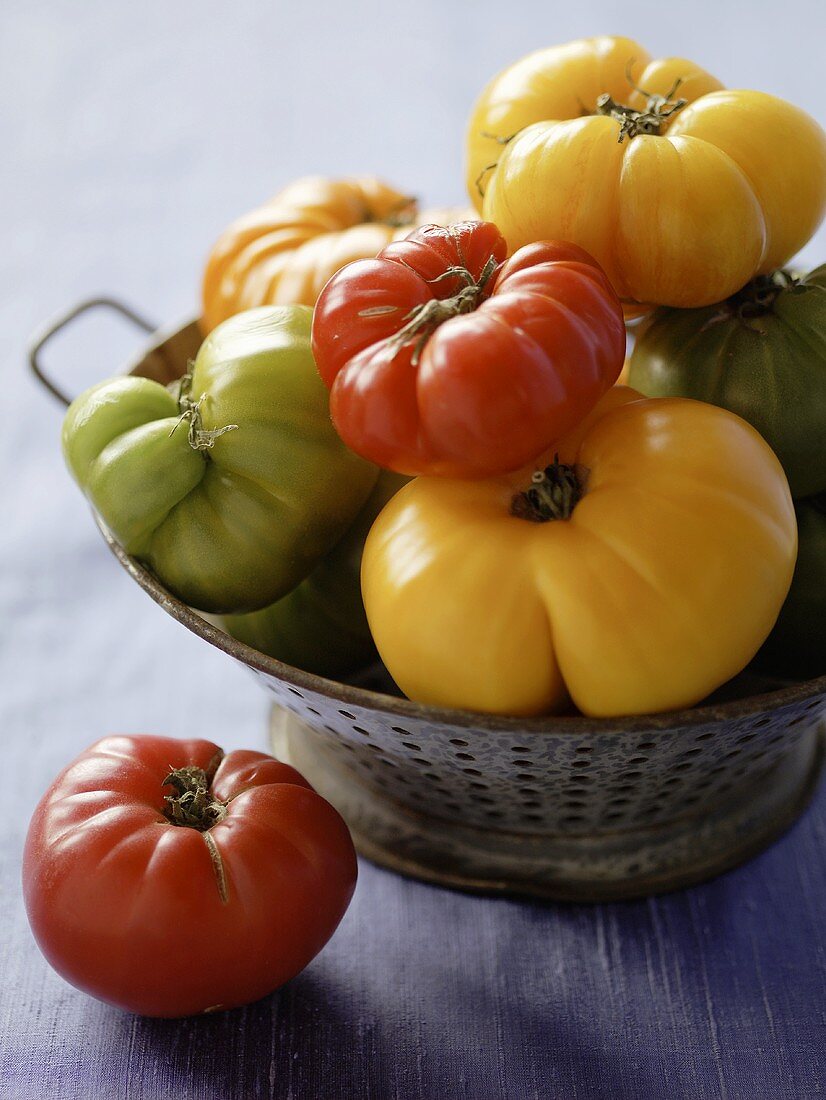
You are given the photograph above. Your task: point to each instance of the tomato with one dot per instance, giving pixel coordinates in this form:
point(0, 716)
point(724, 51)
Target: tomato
point(168, 879)
point(320, 626)
point(761, 354)
point(286, 250)
point(233, 488)
point(442, 359)
point(682, 190)
point(796, 647)
point(634, 568)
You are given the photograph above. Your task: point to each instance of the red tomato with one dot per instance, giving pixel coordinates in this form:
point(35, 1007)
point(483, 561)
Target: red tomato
point(443, 359)
point(168, 879)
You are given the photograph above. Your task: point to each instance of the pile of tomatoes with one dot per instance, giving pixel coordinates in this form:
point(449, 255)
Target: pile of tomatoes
point(410, 438)
point(403, 432)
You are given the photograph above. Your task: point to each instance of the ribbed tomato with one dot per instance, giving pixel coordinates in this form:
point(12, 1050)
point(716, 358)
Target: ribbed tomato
point(320, 626)
point(444, 359)
point(760, 354)
point(634, 568)
point(681, 189)
point(168, 879)
point(285, 251)
point(232, 489)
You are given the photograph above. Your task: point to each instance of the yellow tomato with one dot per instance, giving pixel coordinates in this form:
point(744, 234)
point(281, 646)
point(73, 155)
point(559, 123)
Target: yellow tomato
point(285, 251)
point(682, 190)
point(661, 584)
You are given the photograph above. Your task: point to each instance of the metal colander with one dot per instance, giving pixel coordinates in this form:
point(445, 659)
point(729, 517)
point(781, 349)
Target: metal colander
point(564, 807)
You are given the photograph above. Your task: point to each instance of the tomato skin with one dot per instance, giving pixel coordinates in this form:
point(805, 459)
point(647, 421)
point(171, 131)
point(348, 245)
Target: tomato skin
point(796, 647)
point(285, 251)
point(661, 585)
point(726, 186)
point(768, 367)
point(320, 626)
point(126, 905)
point(237, 524)
point(478, 392)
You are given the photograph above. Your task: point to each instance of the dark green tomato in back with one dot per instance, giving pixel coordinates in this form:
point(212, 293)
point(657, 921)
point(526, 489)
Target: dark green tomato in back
point(321, 626)
point(796, 648)
point(760, 354)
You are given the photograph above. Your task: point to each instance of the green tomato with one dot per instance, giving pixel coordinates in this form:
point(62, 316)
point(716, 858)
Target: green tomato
point(234, 487)
point(760, 354)
point(797, 645)
point(321, 626)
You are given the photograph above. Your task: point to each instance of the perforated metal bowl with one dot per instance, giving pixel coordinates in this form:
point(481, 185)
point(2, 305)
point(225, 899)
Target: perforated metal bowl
point(568, 808)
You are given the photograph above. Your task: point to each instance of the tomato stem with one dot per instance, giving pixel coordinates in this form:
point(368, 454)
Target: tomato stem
point(200, 439)
point(490, 167)
point(553, 494)
point(404, 213)
point(658, 109)
point(423, 320)
point(757, 298)
point(194, 806)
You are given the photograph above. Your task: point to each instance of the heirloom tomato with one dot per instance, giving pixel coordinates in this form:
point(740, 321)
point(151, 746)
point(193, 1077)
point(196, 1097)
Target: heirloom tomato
point(285, 251)
point(320, 626)
point(634, 568)
point(761, 354)
point(682, 190)
point(169, 879)
point(233, 487)
point(443, 358)
point(796, 648)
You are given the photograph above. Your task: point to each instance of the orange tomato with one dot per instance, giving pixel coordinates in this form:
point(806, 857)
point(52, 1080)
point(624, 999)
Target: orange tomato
point(285, 251)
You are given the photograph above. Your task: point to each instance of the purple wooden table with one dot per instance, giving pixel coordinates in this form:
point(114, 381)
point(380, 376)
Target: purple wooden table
point(130, 134)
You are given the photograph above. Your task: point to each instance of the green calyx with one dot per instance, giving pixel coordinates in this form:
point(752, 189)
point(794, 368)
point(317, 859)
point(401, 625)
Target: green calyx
point(422, 321)
point(194, 806)
point(200, 439)
point(404, 214)
point(658, 109)
point(757, 298)
point(553, 494)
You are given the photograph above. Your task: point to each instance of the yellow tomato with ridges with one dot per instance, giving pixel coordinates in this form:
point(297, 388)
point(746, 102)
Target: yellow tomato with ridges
point(681, 189)
point(637, 573)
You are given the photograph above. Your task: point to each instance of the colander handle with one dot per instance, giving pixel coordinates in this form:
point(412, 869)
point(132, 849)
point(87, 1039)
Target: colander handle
point(58, 323)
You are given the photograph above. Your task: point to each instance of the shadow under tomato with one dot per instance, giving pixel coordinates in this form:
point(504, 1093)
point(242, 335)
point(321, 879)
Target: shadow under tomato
point(428, 993)
point(308, 1041)
point(301, 1041)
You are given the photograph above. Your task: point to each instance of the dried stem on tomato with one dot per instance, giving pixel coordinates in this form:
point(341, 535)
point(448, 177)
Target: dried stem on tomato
point(200, 439)
point(423, 320)
point(194, 806)
point(658, 109)
point(553, 494)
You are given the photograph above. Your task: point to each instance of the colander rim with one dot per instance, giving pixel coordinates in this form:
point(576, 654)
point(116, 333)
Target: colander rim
point(347, 695)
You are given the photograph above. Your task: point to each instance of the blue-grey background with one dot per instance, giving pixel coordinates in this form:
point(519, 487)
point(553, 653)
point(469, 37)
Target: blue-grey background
point(130, 133)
